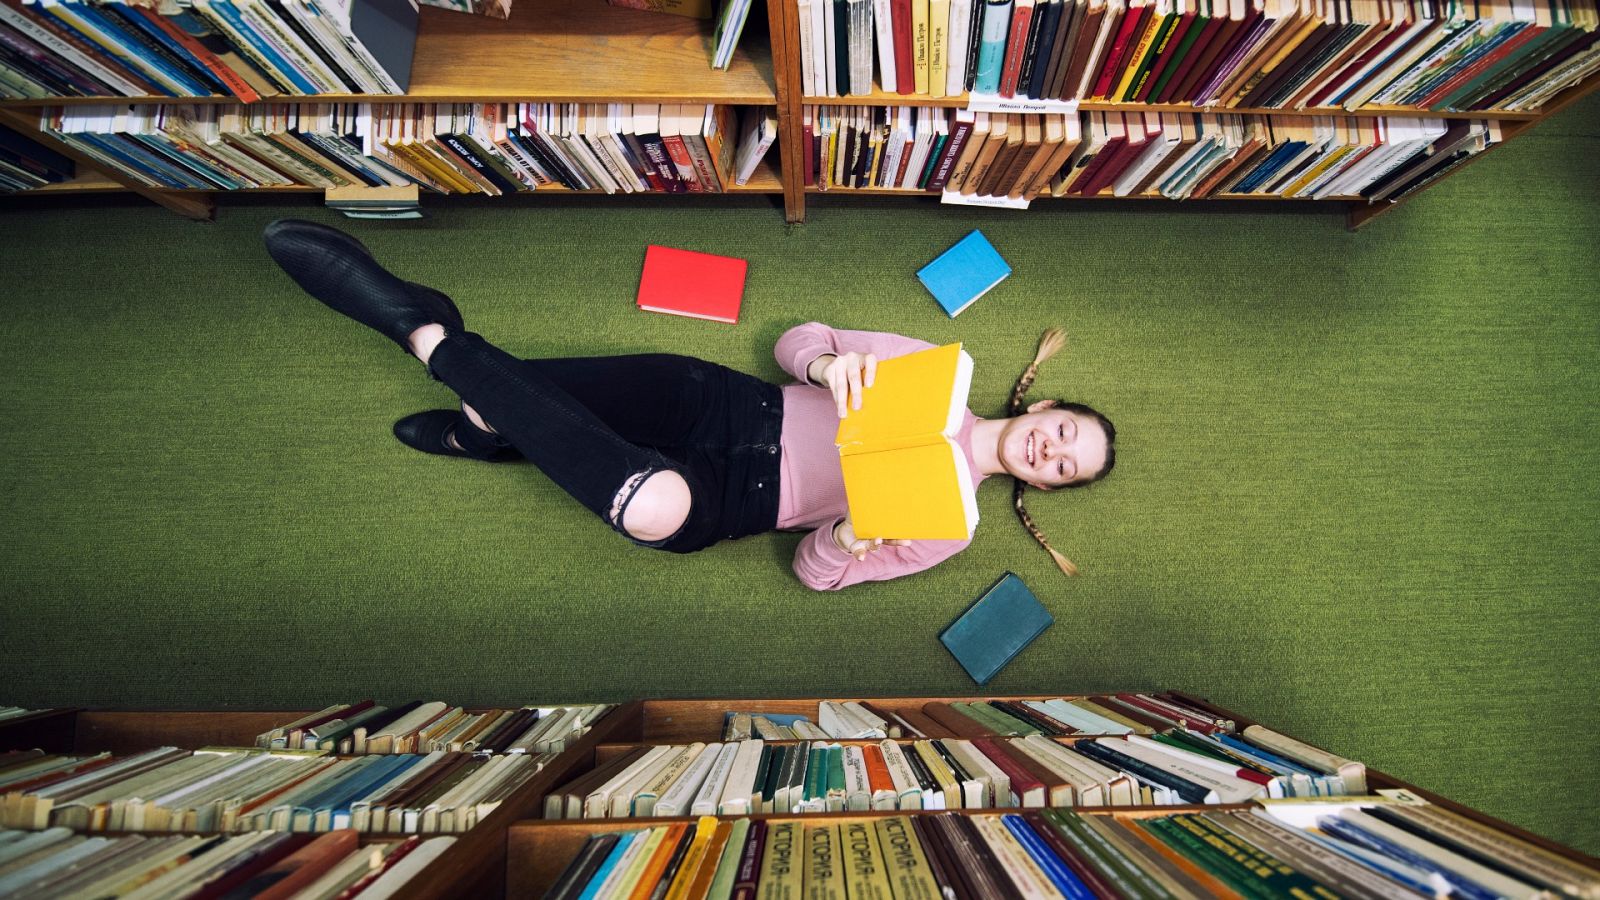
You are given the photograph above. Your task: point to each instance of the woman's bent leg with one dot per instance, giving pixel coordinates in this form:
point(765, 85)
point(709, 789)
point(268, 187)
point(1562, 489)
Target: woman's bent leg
point(638, 491)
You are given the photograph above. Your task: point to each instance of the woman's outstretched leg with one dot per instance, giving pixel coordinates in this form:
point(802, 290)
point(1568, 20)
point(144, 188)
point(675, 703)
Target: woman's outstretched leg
point(639, 492)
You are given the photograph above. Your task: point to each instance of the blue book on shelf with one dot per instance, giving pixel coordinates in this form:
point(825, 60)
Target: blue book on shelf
point(995, 628)
point(964, 273)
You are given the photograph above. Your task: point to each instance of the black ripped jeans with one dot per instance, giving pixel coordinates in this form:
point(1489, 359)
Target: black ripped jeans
point(598, 426)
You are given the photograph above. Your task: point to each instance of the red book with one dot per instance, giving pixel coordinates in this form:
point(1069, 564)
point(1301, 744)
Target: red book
point(1493, 58)
point(686, 283)
point(1133, 143)
point(1207, 34)
point(230, 79)
point(1027, 790)
point(809, 136)
point(1133, 23)
point(1016, 45)
point(905, 73)
point(1164, 54)
point(1355, 65)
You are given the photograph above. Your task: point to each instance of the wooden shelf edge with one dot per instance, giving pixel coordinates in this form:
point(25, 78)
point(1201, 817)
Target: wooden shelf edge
point(879, 98)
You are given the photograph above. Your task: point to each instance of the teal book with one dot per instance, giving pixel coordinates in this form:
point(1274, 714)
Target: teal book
point(995, 628)
point(965, 272)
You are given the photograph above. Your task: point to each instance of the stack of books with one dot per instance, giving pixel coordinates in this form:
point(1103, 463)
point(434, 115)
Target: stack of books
point(228, 790)
point(1282, 54)
point(1174, 155)
point(247, 50)
point(419, 727)
point(58, 863)
point(979, 772)
point(462, 148)
point(1353, 850)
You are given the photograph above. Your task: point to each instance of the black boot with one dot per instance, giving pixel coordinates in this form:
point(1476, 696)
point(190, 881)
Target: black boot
point(338, 270)
point(432, 430)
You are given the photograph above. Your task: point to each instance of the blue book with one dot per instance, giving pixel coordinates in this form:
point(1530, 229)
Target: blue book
point(995, 628)
point(992, 46)
point(1067, 883)
point(965, 272)
point(624, 840)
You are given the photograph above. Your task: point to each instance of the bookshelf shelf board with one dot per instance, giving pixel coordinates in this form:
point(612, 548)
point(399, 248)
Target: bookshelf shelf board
point(582, 51)
point(906, 192)
point(879, 97)
point(87, 183)
point(554, 51)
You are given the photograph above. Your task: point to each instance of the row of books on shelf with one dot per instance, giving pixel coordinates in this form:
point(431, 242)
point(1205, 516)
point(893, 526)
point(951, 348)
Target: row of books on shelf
point(756, 776)
point(1173, 155)
point(420, 726)
point(1291, 54)
point(229, 790)
point(1110, 714)
point(462, 148)
point(8, 713)
point(1370, 851)
point(246, 49)
point(266, 866)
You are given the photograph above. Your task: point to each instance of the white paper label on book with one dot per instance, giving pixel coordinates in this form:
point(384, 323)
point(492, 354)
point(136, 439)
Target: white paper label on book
point(993, 103)
point(1001, 202)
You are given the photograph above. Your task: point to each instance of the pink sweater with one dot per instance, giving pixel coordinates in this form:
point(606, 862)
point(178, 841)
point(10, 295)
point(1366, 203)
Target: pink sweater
point(811, 488)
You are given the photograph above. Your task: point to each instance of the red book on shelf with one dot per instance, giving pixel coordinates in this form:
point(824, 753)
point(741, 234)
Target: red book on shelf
point(1132, 24)
point(905, 76)
point(686, 283)
point(1016, 46)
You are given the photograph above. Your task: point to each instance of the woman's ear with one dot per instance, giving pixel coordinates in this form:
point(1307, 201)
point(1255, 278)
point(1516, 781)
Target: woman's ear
point(1041, 405)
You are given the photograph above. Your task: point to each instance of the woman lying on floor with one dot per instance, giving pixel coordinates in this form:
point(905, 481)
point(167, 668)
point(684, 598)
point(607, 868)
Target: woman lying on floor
point(677, 453)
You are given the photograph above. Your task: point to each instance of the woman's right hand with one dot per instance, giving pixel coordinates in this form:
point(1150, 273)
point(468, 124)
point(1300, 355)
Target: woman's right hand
point(846, 376)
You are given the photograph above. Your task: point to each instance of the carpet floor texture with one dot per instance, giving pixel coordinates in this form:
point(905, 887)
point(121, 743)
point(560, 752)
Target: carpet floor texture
point(1356, 494)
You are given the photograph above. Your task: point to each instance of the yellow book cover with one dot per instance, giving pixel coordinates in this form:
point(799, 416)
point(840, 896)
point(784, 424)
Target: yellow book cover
point(782, 877)
point(909, 875)
point(938, 46)
point(865, 875)
point(824, 868)
point(921, 43)
point(904, 476)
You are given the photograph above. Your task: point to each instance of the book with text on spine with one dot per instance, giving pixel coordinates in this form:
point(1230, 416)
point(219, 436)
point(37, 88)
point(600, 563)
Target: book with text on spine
point(905, 478)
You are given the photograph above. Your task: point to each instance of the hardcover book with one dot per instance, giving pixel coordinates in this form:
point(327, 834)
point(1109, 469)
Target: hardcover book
point(904, 476)
point(965, 272)
point(995, 628)
point(687, 283)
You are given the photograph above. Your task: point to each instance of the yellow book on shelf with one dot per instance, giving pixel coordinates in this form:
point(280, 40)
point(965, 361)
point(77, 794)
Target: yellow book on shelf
point(938, 46)
point(921, 44)
point(904, 476)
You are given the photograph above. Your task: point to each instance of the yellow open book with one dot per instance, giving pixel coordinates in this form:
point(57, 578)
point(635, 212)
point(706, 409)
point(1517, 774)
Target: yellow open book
point(904, 476)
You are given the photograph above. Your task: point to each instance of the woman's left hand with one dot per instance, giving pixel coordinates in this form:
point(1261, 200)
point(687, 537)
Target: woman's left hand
point(844, 535)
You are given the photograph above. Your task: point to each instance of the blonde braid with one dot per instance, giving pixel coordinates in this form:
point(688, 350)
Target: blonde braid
point(1050, 343)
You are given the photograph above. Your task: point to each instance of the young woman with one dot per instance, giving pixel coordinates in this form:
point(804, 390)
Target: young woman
point(678, 453)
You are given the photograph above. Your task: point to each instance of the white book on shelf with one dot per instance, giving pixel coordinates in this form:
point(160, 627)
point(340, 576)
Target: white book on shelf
point(959, 36)
point(645, 803)
point(597, 805)
point(882, 15)
point(857, 787)
point(678, 798)
point(808, 62)
point(830, 69)
point(622, 801)
point(740, 788)
point(710, 794)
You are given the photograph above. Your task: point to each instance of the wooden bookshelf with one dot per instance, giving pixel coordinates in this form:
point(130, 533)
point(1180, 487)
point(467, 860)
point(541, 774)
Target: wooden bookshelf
point(587, 51)
point(515, 853)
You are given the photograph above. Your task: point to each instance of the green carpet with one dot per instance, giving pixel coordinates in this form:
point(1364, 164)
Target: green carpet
point(1356, 496)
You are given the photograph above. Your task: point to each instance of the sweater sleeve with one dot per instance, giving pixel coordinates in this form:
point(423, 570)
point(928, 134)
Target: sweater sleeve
point(801, 345)
point(822, 566)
